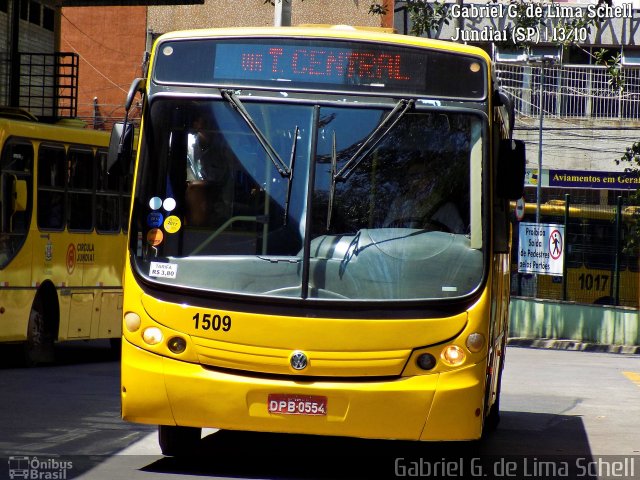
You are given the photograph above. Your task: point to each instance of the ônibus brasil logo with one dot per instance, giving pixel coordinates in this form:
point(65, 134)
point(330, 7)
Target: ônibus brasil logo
point(40, 469)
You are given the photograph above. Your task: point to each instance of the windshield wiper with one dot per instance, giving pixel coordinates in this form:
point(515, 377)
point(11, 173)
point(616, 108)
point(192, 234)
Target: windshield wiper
point(381, 131)
point(390, 121)
point(283, 170)
point(332, 187)
point(292, 162)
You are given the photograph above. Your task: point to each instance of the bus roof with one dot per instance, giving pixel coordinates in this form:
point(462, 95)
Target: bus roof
point(45, 131)
point(334, 32)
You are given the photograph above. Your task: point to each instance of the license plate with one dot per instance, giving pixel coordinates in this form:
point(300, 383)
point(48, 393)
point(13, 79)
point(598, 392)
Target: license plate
point(297, 404)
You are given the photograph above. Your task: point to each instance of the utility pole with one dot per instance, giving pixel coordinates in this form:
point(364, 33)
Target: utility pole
point(543, 61)
point(282, 13)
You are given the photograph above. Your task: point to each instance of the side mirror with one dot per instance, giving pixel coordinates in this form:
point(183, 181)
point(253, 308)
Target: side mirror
point(511, 169)
point(120, 153)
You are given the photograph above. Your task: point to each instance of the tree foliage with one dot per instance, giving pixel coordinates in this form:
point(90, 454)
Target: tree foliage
point(631, 160)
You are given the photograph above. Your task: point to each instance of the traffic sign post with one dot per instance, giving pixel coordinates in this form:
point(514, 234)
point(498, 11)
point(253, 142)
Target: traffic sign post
point(541, 248)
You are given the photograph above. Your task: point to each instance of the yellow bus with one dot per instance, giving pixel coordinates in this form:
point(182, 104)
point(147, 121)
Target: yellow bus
point(62, 237)
point(601, 267)
point(319, 236)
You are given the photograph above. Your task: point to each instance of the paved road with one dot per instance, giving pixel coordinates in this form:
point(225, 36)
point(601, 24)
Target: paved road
point(558, 406)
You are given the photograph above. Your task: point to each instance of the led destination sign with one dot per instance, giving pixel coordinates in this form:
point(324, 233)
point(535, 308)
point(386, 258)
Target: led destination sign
point(329, 65)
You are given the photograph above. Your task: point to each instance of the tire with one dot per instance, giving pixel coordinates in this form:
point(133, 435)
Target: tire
point(492, 420)
point(38, 349)
point(178, 441)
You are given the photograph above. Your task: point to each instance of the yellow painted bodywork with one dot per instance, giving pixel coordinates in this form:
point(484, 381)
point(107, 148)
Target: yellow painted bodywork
point(365, 367)
point(373, 385)
point(161, 390)
point(90, 295)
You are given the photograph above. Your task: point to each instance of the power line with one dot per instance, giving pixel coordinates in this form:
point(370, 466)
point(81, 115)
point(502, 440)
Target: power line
point(94, 68)
point(92, 39)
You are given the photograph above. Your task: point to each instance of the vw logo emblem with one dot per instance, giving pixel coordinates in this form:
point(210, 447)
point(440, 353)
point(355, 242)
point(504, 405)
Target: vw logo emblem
point(298, 360)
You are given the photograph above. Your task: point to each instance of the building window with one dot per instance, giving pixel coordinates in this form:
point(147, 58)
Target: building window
point(631, 57)
point(48, 18)
point(24, 9)
point(34, 12)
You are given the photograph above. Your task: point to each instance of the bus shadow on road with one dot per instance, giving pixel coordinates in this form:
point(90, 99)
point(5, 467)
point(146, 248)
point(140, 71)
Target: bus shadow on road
point(525, 444)
point(66, 353)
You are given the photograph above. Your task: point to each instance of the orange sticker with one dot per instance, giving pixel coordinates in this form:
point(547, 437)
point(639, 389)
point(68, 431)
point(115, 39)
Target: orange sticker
point(155, 237)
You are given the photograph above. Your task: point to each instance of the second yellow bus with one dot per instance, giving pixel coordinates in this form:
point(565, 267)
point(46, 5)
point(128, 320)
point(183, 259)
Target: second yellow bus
point(62, 237)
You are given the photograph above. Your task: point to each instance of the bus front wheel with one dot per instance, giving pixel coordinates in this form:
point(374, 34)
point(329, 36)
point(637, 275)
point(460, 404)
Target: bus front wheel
point(178, 441)
point(38, 349)
point(492, 420)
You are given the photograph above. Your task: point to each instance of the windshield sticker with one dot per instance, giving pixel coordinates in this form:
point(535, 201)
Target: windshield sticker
point(172, 224)
point(155, 237)
point(155, 203)
point(155, 219)
point(169, 204)
point(163, 270)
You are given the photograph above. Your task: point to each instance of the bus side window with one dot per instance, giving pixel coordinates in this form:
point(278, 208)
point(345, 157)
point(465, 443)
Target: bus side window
point(600, 245)
point(80, 193)
point(17, 161)
point(107, 195)
point(51, 187)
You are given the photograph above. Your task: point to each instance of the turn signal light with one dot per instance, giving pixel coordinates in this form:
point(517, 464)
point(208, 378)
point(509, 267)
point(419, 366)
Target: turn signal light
point(453, 355)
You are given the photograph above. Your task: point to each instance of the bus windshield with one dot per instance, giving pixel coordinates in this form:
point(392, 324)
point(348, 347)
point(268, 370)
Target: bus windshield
point(304, 201)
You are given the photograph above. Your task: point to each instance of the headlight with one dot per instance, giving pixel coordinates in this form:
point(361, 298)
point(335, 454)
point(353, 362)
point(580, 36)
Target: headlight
point(152, 335)
point(132, 321)
point(426, 361)
point(475, 342)
point(177, 344)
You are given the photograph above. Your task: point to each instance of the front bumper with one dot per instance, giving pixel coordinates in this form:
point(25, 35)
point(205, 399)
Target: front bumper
point(164, 391)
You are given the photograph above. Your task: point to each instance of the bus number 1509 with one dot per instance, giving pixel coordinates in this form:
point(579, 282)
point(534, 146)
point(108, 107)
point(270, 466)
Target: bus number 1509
point(206, 321)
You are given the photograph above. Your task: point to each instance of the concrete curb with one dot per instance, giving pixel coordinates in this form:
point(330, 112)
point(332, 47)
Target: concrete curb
point(574, 345)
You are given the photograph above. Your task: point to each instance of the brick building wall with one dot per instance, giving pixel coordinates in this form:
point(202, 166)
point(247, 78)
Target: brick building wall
point(110, 42)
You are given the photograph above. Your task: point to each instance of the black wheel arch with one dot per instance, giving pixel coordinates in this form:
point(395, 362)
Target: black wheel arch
point(46, 298)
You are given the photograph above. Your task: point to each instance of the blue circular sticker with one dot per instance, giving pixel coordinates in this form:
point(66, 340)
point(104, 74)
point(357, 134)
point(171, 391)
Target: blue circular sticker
point(155, 203)
point(154, 219)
